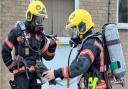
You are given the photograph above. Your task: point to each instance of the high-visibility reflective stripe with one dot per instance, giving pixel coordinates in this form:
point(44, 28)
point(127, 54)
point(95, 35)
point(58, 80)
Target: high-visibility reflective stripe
point(49, 53)
point(102, 85)
point(65, 72)
point(10, 66)
point(15, 71)
point(22, 68)
point(45, 46)
point(31, 69)
point(101, 56)
point(9, 43)
point(89, 53)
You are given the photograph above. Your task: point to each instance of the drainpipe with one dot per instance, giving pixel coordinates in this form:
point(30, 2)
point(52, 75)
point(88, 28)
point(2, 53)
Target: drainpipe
point(109, 11)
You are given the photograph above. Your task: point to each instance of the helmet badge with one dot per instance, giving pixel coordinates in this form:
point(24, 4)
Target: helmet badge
point(38, 7)
point(72, 17)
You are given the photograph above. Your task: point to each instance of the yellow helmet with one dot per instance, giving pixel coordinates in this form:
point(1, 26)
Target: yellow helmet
point(36, 8)
point(82, 20)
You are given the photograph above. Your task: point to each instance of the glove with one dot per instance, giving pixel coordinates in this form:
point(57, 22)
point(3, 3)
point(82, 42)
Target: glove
point(53, 42)
point(40, 68)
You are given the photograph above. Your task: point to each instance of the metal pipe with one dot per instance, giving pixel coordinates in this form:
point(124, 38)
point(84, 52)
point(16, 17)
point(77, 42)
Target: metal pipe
point(109, 10)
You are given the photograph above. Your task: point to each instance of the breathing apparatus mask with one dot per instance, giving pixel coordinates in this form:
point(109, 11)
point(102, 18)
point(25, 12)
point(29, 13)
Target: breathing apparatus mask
point(74, 40)
point(37, 24)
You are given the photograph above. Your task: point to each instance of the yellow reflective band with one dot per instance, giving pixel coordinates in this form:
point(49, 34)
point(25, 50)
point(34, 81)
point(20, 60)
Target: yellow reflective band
point(92, 82)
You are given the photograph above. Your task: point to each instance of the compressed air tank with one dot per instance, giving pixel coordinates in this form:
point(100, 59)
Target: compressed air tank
point(113, 43)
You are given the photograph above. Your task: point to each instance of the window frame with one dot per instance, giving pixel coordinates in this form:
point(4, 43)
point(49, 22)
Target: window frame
point(120, 25)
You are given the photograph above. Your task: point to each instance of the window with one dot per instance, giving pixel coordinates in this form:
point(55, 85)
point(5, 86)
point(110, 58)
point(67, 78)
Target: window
point(122, 14)
point(123, 11)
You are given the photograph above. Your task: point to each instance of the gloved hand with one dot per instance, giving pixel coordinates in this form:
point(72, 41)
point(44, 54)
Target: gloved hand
point(40, 69)
point(49, 75)
point(53, 42)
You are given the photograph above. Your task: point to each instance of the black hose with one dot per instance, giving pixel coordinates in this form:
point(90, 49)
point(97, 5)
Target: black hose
point(45, 35)
point(70, 56)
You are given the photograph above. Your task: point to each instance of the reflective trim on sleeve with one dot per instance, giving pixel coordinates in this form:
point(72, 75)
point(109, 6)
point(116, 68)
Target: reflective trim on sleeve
point(89, 53)
point(21, 69)
point(9, 43)
point(10, 66)
point(45, 46)
point(101, 56)
point(49, 53)
point(102, 85)
point(15, 71)
point(65, 72)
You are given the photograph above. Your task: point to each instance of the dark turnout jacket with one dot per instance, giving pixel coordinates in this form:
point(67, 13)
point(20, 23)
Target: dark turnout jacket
point(92, 53)
point(16, 40)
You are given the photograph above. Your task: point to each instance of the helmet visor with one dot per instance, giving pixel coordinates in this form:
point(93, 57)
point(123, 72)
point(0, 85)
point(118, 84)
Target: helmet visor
point(38, 20)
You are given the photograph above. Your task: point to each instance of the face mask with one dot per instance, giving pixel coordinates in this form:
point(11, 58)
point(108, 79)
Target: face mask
point(37, 24)
point(37, 21)
point(38, 30)
point(74, 41)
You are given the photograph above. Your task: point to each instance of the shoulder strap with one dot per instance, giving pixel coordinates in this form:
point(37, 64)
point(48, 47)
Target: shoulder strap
point(96, 35)
point(84, 40)
point(21, 25)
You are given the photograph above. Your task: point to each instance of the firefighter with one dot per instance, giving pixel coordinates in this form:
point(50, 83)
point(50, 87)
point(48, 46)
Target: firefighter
point(30, 44)
point(89, 62)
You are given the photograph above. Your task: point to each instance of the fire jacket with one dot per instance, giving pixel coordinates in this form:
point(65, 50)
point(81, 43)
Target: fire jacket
point(15, 40)
point(92, 53)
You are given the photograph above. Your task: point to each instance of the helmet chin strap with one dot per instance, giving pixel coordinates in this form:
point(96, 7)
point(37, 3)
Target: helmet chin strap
point(81, 37)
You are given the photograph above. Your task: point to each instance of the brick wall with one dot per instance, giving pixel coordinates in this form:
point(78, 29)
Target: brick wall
point(13, 10)
point(99, 11)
